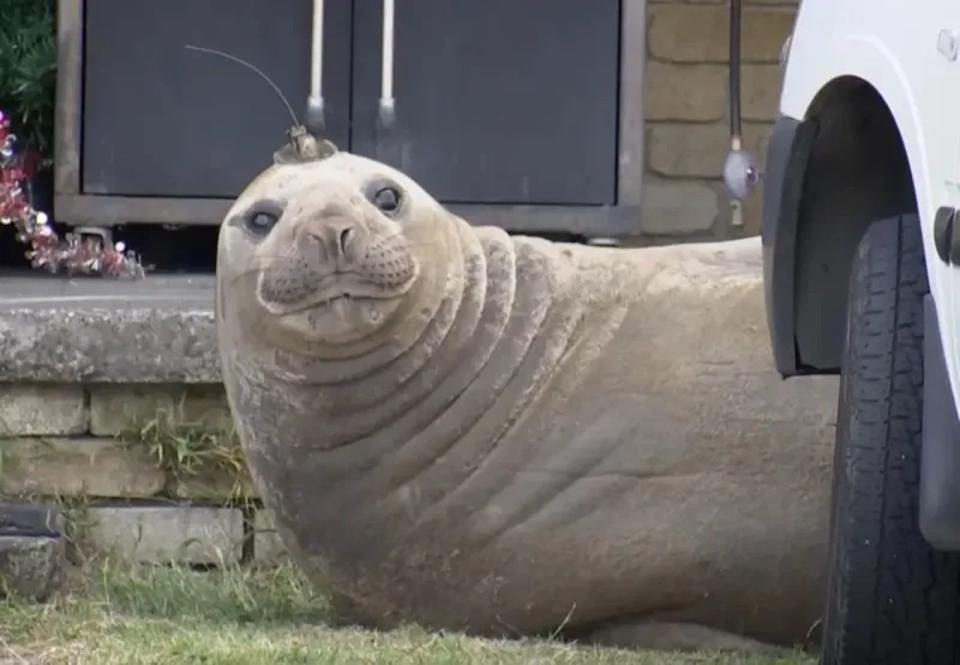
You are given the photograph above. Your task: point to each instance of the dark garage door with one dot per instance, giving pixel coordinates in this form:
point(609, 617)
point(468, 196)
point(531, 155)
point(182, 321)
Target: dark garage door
point(164, 121)
point(498, 101)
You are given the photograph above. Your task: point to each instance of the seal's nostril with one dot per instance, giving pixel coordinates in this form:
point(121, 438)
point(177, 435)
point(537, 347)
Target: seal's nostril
point(342, 238)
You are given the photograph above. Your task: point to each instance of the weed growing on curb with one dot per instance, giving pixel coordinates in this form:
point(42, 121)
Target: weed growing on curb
point(188, 449)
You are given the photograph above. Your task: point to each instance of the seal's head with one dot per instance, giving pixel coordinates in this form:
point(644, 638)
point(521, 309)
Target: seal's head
point(325, 253)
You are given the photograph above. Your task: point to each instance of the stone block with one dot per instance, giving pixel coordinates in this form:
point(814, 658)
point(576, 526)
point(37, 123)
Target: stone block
point(268, 547)
point(694, 150)
point(77, 467)
point(697, 32)
point(115, 408)
point(31, 567)
point(161, 534)
point(698, 92)
point(213, 485)
point(41, 409)
point(685, 92)
point(678, 207)
point(760, 92)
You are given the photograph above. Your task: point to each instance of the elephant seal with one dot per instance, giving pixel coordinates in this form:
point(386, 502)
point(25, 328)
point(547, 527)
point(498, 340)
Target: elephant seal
point(508, 436)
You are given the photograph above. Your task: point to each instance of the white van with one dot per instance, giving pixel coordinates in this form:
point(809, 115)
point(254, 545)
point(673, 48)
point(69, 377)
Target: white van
point(861, 240)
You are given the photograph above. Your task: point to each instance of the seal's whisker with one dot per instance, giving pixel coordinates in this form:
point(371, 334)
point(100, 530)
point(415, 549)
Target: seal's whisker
point(268, 261)
point(423, 243)
point(264, 262)
point(246, 273)
point(254, 269)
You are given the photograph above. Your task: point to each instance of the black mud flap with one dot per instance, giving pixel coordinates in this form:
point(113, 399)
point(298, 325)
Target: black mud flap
point(940, 455)
point(787, 153)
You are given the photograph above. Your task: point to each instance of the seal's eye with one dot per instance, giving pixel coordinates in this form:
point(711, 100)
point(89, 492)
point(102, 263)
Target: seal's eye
point(387, 199)
point(261, 222)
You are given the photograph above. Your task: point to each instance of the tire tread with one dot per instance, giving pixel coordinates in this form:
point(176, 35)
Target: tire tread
point(892, 600)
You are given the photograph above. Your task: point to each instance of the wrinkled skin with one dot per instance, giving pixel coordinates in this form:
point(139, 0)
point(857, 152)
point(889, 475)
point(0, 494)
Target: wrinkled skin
point(508, 436)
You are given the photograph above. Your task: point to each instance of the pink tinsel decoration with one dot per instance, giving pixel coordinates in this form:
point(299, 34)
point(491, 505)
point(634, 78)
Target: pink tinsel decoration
point(72, 254)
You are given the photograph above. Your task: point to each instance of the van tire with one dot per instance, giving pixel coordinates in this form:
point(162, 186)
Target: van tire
point(891, 599)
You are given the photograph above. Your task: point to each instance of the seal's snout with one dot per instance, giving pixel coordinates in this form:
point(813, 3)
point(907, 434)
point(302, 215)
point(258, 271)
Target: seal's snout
point(334, 247)
point(337, 240)
point(341, 275)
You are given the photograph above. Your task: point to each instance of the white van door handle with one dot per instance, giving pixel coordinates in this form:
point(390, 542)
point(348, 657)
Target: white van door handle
point(948, 44)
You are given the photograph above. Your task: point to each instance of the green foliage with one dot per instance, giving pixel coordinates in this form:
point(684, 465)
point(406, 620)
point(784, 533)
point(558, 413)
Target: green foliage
point(28, 66)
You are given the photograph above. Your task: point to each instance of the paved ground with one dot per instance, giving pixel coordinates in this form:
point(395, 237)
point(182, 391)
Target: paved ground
point(19, 291)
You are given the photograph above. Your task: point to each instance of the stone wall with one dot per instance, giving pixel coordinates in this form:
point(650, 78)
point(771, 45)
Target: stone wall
point(687, 119)
point(77, 446)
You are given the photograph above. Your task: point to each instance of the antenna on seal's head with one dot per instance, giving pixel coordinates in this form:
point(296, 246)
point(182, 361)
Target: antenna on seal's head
point(302, 146)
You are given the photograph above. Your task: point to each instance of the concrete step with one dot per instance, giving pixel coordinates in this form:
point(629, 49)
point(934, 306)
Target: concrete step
point(155, 330)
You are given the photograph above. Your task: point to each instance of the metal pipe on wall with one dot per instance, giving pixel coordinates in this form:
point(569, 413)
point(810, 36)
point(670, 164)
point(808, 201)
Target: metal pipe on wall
point(740, 172)
point(315, 120)
point(387, 102)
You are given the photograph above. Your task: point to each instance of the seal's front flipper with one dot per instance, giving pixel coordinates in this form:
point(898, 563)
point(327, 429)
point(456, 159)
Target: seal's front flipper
point(664, 636)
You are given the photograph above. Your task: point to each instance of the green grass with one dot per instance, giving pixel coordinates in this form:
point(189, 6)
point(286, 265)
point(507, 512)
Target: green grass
point(167, 615)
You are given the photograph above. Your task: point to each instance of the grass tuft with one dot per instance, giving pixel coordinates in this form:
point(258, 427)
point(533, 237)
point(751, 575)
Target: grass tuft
point(187, 449)
point(230, 595)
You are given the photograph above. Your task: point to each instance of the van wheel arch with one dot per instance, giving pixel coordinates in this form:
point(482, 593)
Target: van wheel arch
point(829, 176)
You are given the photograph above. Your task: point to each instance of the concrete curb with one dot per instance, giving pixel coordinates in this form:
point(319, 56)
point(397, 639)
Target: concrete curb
point(155, 330)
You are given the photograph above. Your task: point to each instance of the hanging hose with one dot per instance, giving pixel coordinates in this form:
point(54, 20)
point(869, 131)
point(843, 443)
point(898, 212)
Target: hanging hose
point(735, 125)
point(740, 173)
point(315, 120)
point(386, 73)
